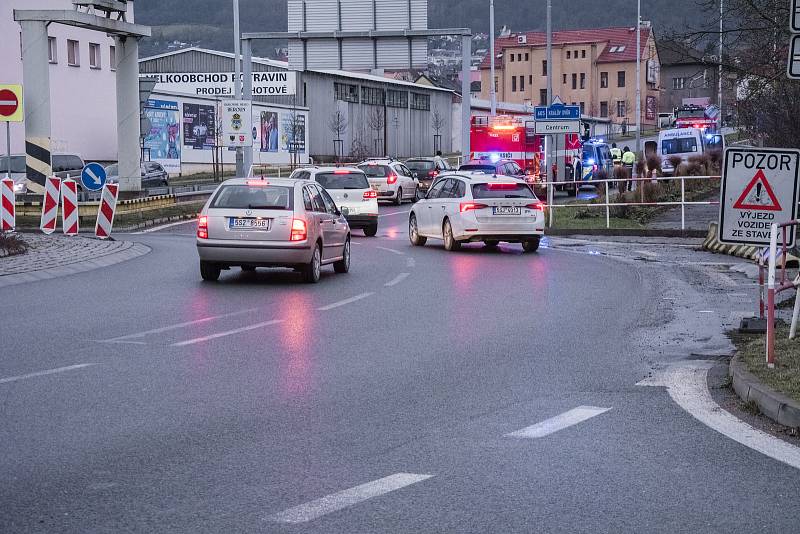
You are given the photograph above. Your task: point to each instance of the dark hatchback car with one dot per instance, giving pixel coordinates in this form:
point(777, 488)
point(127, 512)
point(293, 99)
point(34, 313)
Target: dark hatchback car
point(504, 167)
point(153, 174)
point(427, 170)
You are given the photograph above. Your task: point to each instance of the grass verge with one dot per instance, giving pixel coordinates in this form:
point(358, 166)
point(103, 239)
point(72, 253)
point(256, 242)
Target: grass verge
point(785, 377)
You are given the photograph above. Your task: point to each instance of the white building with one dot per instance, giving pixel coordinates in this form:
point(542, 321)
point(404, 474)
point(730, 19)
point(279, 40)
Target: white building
point(82, 83)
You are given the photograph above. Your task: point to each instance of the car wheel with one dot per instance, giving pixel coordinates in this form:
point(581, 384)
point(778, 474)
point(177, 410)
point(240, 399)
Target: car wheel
point(343, 266)
point(531, 245)
point(418, 195)
point(413, 232)
point(491, 244)
point(209, 271)
point(311, 272)
point(248, 268)
point(371, 231)
point(450, 243)
point(399, 199)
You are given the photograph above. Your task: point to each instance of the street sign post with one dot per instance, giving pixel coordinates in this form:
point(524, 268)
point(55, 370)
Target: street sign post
point(93, 177)
point(793, 65)
point(794, 17)
point(557, 111)
point(759, 188)
point(237, 123)
point(10, 111)
point(551, 127)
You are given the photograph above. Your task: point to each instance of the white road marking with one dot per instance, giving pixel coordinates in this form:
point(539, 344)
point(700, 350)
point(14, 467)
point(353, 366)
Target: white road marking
point(393, 251)
point(48, 372)
point(687, 385)
point(345, 301)
point(559, 422)
point(346, 498)
point(646, 253)
point(124, 339)
point(411, 262)
point(93, 176)
point(165, 226)
point(706, 311)
point(400, 277)
point(356, 242)
point(395, 213)
point(226, 333)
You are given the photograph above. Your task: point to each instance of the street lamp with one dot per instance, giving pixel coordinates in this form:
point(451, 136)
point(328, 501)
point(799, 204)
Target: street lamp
point(492, 91)
point(638, 77)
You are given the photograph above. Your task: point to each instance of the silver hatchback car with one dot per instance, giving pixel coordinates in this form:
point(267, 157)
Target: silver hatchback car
point(272, 222)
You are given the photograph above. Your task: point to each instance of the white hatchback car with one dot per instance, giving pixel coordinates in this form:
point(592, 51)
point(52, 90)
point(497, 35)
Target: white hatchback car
point(468, 207)
point(391, 179)
point(351, 191)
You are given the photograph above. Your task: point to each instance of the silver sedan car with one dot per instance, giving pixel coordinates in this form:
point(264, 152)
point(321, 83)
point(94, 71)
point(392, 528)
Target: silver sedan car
point(272, 222)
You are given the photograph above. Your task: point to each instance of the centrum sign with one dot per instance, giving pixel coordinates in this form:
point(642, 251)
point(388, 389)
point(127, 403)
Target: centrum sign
point(275, 83)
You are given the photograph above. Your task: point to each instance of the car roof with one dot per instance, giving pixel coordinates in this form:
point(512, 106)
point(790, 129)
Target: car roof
point(379, 161)
point(350, 168)
point(480, 177)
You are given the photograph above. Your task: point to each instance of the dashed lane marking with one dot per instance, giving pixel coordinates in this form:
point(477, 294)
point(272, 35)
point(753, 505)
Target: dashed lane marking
point(226, 333)
point(164, 227)
point(393, 251)
point(47, 372)
point(400, 277)
point(346, 498)
point(129, 337)
point(559, 422)
point(345, 301)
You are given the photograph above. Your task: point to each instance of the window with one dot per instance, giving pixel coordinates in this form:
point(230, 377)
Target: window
point(543, 97)
point(496, 84)
point(73, 53)
point(345, 92)
point(527, 57)
point(512, 58)
point(52, 50)
point(519, 57)
point(516, 190)
point(603, 80)
point(247, 197)
point(330, 205)
point(574, 81)
point(397, 99)
point(513, 84)
point(678, 83)
point(94, 56)
point(522, 83)
point(544, 68)
point(373, 96)
point(530, 79)
point(583, 107)
point(575, 54)
point(66, 162)
point(565, 79)
point(420, 101)
point(621, 111)
point(346, 180)
point(604, 109)
point(112, 60)
point(679, 145)
point(621, 78)
point(583, 54)
point(307, 200)
point(583, 80)
point(569, 54)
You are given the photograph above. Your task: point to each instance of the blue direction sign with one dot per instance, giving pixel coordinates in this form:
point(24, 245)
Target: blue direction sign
point(93, 177)
point(557, 111)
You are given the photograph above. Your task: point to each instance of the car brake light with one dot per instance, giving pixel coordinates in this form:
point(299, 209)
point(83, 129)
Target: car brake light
point(469, 206)
point(433, 174)
point(495, 187)
point(258, 183)
point(537, 206)
point(299, 232)
point(341, 171)
point(202, 227)
point(392, 179)
point(370, 194)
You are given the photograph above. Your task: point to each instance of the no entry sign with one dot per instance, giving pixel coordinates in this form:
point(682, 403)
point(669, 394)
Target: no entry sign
point(759, 187)
point(11, 103)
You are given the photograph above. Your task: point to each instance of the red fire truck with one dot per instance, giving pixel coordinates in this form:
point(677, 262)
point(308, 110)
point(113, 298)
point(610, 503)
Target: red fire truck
point(706, 117)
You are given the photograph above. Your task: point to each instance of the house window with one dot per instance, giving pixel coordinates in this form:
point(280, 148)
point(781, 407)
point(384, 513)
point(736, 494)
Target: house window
point(420, 101)
point(544, 68)
point(678, 83)
point(530, 79)
point(52, 50)
point(574, 81)
point(583, 54)
point(527, 57)
point(512, 58)
point(94, 56)
point(575, 54)
point(345, 92)
point(603, 109)
point(397, 99)
point(373, 96)
point(603, 80)
point(583, 80)
point(621, 78)
point(496, 84)
point(513, 84)
point(522, 83)
point(519, 57)
point(565, 79)
point(569, 54)
point(621, 111)
point(543, 97)
point(73, 53)
point(113, 58)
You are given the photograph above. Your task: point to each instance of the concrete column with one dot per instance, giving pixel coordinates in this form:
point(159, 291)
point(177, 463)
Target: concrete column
point(128, 134)
point(466, 96)
point(247, 93)
point(36, 98)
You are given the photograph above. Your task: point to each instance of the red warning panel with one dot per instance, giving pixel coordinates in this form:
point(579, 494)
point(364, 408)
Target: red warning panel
point(758, 195)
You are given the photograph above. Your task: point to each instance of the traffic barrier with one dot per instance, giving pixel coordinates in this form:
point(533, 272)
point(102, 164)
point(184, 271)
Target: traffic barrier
point(713, 244)
point(52, 193)
point(105, 213)
point(69, 206)
point(7, 205)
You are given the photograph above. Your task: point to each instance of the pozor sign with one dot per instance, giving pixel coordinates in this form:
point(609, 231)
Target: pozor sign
point(275, 83)
point(759, 187)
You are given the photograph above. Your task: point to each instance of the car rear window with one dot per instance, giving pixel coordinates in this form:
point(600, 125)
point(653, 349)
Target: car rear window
point(375, 171)
point(343, 180)
point(475, 167)
point(502, 190)
point(240, 196)
point(67, 162)
point(421, 165)
point(679, 145)
point(17, 164)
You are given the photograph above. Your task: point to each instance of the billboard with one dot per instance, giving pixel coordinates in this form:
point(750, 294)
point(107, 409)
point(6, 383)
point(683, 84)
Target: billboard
point(293, 132)
point(268, 136)
point(199, 126)
point(163, 141)
point(273, 83)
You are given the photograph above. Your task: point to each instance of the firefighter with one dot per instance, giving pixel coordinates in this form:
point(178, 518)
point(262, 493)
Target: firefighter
point(628, 159)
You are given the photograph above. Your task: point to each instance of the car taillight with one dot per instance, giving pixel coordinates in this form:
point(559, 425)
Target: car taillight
point(341, 171)
point(433, 174)
point(299, 231)
point(537, 206)
point(469, 206)
point(594, 168)
point(392, 179)
point(202, 227)
point(370, 194)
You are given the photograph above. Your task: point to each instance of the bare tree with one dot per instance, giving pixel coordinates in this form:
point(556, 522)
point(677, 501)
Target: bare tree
point(438, 122)
point(376, 121)
point(338, 125)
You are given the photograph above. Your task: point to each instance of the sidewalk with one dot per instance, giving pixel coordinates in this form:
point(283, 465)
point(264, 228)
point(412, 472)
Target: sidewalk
point(58, 255)
point(697, 217)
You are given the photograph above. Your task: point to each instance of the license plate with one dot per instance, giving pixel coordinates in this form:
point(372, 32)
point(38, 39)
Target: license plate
point(261, 224)
point(375, 187)
point(507, 210)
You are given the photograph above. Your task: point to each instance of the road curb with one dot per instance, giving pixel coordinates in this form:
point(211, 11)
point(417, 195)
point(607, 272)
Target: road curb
point(774, 405)
point(624, 232)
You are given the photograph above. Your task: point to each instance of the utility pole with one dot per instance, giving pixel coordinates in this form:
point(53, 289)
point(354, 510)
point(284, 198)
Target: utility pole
point(492, 91)
point(638, 77)
point(719, 73)
point(237, 81)
point(548, 141)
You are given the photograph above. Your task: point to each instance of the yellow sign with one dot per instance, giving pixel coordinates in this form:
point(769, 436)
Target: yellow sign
point(11, 103)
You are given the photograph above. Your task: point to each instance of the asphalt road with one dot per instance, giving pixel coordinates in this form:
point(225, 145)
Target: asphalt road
point(377, 401)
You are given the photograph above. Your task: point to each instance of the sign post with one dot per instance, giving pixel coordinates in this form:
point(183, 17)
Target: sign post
point(93, 177)
point(793, 65)
point(10, 111)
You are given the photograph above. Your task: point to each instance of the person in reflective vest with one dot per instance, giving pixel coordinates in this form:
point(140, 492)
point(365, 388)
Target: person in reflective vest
point(616, 154)
point(628, 159)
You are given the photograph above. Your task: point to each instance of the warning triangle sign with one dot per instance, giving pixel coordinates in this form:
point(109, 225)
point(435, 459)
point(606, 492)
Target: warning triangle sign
point(758, 195)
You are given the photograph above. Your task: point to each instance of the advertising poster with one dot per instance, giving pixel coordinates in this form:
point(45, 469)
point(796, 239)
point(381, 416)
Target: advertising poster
point(164, 138)
point(650, 108)
point(293, 132)
point(199, 125)
point(268, 131)
point(237, 123)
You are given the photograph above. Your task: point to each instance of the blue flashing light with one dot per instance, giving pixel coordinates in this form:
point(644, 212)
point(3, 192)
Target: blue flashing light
point(494, 158)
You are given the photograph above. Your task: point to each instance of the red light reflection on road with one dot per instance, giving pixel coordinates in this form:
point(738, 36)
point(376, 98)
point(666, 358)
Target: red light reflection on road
point(465, 269)
point(295, 357)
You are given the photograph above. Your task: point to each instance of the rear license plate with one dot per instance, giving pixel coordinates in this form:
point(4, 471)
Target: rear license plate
point(260, 224)
point(507, 210)
point(375, 187)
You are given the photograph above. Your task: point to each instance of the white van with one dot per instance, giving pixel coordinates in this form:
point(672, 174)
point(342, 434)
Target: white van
point(681, 142)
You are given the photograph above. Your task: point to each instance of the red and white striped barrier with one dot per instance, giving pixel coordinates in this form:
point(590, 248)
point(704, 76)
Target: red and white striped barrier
point(69, 206)
point(105, 215)
point(52, 192)
point(7, 208)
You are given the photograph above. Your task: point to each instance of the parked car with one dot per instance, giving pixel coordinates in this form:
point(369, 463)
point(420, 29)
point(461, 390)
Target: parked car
point(67, 165)
point(474, 206)
point(390, 179)
point(275, 222)
point(427, 170)
point(153, 174)
point(681, 143)
point(18, 172)
point(351, 191)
